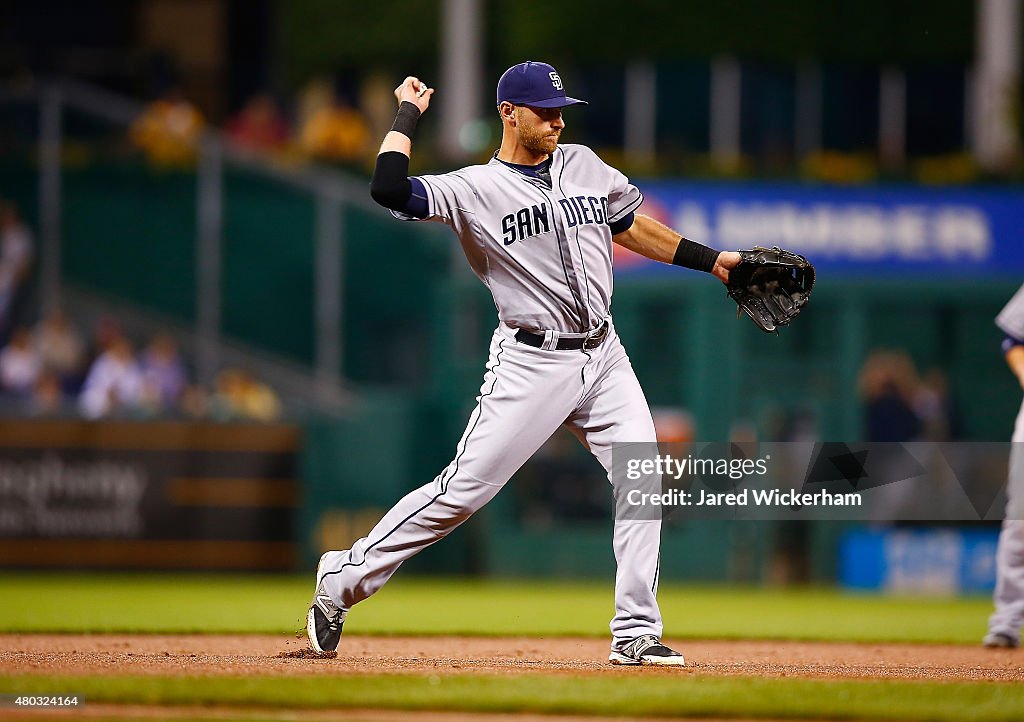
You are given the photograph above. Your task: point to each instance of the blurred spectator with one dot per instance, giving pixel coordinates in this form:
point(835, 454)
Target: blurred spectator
point(331, 129)
point(60, 348)
point(743, 431)
point(902, 405)
point(838, 167)
point(163, 373)
point(673, 425)
point(259, 125)
point(314, 97)
point(239, 396)
point(934, 407)
point(105, 334)
point(16, 252)
point(377, 101)
point(259, 402)
point(889, 384)
point(114, 383)
point(47, 397)
point(195, 402)
point(167, 131)
point(20, 365)
point(225, 401)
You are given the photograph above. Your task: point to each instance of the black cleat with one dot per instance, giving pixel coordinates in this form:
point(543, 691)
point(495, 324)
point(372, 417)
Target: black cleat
point(324, 619)
point(999, 640)
point(647, 649)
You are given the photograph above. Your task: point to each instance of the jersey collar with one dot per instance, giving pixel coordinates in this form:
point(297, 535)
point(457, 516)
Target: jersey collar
point(540, 173)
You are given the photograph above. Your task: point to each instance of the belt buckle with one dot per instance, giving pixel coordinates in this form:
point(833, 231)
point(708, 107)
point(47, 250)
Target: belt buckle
point(592, 342)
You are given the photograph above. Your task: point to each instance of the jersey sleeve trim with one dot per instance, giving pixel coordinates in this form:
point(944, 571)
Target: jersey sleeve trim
point(628, 208)
point(416, 202)
point(1009, 342)
point(417, 208)
point(431, 205)
point(447, 196)
point(622, 225)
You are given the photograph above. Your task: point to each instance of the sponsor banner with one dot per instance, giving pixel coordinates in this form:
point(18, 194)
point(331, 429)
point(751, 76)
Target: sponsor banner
point(835, 481)
point(878, 230)
point(932, 561)
point(160, 495)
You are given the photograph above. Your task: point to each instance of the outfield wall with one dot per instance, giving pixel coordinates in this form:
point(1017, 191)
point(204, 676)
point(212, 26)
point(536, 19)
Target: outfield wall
point(149, 495)
point(919, 269)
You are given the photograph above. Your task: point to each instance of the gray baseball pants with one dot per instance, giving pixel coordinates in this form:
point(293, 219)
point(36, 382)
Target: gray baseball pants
point(1009, 593)
point(527, 393)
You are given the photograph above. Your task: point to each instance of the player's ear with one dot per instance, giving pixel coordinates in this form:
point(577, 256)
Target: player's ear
point(507, 111)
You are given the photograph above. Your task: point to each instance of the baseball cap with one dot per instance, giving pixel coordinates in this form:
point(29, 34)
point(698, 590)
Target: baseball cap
point(536, 84)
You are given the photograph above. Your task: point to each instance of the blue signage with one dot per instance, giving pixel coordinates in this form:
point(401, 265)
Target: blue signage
point(877, 230)
point(937, 560)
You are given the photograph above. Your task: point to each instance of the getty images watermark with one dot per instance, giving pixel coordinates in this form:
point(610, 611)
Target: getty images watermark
point(666, 466)
point(798, 480)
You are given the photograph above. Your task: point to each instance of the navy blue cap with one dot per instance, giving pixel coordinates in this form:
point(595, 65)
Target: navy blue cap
point(536, 84)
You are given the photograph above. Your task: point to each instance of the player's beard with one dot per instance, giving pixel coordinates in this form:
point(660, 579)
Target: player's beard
point(536, 140)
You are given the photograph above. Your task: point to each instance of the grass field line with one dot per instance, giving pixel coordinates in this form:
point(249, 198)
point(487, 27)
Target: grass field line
point(244, 604)
point(747, 697)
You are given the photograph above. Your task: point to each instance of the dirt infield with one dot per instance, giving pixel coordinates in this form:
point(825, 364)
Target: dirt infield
point(48, 654)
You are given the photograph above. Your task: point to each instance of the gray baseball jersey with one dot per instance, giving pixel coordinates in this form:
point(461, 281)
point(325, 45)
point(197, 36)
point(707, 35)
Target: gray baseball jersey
point(1009, 592)
point(544, 251)
point(1011, 319)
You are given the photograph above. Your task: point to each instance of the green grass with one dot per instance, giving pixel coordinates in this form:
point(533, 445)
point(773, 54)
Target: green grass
point(632, 693)
point(276, 605)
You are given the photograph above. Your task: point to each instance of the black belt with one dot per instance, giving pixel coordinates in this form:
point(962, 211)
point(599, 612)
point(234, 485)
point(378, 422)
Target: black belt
point(595, 339)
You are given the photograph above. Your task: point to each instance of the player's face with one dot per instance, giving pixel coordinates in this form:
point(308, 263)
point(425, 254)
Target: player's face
point(538, 129)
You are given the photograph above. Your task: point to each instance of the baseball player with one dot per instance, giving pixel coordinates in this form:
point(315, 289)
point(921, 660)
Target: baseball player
point(537, 223)
point(1005, 623)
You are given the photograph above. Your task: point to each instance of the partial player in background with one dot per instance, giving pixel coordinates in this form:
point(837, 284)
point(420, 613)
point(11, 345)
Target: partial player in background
point(1005, 623)
point(537, 223)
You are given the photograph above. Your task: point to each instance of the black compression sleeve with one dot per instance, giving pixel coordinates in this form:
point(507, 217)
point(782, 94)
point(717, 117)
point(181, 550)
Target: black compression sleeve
point(694, 255)
point(390, 184)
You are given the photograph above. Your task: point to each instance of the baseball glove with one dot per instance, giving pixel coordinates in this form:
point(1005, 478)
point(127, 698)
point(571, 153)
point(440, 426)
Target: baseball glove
point(771, 285)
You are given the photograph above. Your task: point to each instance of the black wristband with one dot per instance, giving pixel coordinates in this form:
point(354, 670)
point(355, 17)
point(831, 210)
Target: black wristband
point(694, 255)
point(405, 121)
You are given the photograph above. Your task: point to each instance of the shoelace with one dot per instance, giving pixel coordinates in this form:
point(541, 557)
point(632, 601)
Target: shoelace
point(642, 644)
point(334, 621)
point(331, 612)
